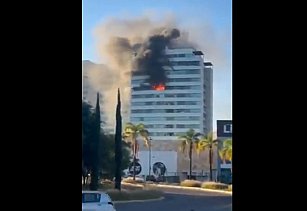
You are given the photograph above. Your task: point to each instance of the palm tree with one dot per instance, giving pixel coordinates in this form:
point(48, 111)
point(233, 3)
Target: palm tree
point(131, 133)
point(190, 139)
point(207, 142)
point(226, 151)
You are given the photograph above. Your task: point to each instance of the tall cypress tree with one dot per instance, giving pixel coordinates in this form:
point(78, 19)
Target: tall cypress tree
point(118, 144)
point(96, 140)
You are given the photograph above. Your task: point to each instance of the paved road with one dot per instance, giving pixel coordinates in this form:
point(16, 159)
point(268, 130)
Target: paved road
point(187, 201)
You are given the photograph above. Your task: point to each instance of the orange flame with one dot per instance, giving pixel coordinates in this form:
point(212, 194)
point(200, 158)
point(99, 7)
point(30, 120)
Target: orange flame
point(159, 87)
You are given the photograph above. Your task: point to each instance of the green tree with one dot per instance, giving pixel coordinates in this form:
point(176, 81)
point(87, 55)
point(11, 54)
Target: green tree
point(96, 147)
point(131, 133)
point(226, 152)
point(189, 140)
point(207, 142)
point(108, 157)
point(87, 139)
point(106, 150)
point(118, 144)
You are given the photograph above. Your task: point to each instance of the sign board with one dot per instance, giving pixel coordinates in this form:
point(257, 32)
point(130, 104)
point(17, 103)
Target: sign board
point(138, 168)
point(224, 128)
point(159, 169)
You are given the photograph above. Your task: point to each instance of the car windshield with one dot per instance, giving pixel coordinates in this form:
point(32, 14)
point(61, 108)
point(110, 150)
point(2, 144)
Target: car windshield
point(91, 197)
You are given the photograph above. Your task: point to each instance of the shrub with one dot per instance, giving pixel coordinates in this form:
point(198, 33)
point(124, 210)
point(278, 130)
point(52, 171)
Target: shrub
point(150, 178)
point(190, 183)
point(136, 181)
point(214, 185)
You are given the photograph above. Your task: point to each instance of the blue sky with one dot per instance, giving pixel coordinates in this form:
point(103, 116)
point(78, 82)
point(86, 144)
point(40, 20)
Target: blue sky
point(217, 12)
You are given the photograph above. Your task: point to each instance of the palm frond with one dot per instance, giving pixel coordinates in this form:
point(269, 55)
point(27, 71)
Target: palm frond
point(145, 135)
point(144, 132)
point(228, 143)
point(183, 145)
point(198, 146)
point(183, 137)
point(228, 155)
point(130, 126)
point(222, 154)
point(140, 127)
point(210, 136)
point(190, 133)
point(227, 150)
point(146, 142)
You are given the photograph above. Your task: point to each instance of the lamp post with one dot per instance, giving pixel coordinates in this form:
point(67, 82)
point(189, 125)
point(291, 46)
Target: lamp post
point(149, 158)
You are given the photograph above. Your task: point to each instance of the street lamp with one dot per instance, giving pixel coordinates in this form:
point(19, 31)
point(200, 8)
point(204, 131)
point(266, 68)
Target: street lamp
point(149, 148)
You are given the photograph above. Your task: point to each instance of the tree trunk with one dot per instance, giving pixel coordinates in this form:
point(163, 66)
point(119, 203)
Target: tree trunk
point(149, 160)
point(94, 178)
point(190, 156)
point(210, 162)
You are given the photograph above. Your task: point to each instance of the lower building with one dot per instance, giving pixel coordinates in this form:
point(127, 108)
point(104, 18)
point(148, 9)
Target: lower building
point(224, 169)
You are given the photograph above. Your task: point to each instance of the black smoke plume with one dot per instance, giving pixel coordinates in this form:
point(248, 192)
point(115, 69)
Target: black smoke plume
point(150, 58)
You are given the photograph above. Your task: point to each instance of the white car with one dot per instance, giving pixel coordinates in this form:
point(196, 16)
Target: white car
point(96, 201)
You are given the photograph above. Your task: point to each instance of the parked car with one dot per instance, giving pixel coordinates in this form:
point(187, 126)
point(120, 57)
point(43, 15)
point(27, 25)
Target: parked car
point(96, 201)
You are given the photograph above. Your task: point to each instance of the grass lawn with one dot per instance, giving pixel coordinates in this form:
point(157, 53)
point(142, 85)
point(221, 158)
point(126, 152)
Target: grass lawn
point(128, 192)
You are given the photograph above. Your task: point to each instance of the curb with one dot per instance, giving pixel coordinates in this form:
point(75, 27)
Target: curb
point(184, 188)
point(135, 185)
point(131, 201)
point(194, 188)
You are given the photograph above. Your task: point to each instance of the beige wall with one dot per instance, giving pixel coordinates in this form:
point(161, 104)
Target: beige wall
point(199, 162)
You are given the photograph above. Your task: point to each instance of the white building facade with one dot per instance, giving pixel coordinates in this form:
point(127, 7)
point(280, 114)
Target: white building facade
point(185, 103)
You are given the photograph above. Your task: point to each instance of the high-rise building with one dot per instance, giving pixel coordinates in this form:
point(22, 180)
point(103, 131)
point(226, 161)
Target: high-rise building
point(184, 103)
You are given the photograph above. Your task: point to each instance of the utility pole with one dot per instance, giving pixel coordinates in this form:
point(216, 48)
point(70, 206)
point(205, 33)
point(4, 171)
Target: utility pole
point(149, 158)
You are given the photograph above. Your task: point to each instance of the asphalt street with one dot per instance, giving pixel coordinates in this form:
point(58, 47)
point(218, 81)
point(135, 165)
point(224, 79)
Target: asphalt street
point(182, 201)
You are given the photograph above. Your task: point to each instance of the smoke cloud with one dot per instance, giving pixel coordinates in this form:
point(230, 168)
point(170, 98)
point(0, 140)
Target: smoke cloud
point(150, 58)
point(135, 46)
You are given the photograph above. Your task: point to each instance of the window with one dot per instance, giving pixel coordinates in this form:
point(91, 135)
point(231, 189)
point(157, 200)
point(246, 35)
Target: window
point(180, 118)
point(137, 81)
point(142, 103)
point(175, 55)
point(180, 134)
point(91, 197)
point(138, 111)
point(196, 126)
point(183, 72)
point(188, 103)
point(165, 103)
point(162, 134)
point(159, 126)
point(184, 80)
point(228, 128)
point(143, 96)
point(189, 55)
point(194, 87)
point(169, 126)
point(184, 63)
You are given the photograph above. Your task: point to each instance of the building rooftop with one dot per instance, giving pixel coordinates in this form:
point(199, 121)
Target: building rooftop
point(198, 53)
point(208, 64)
